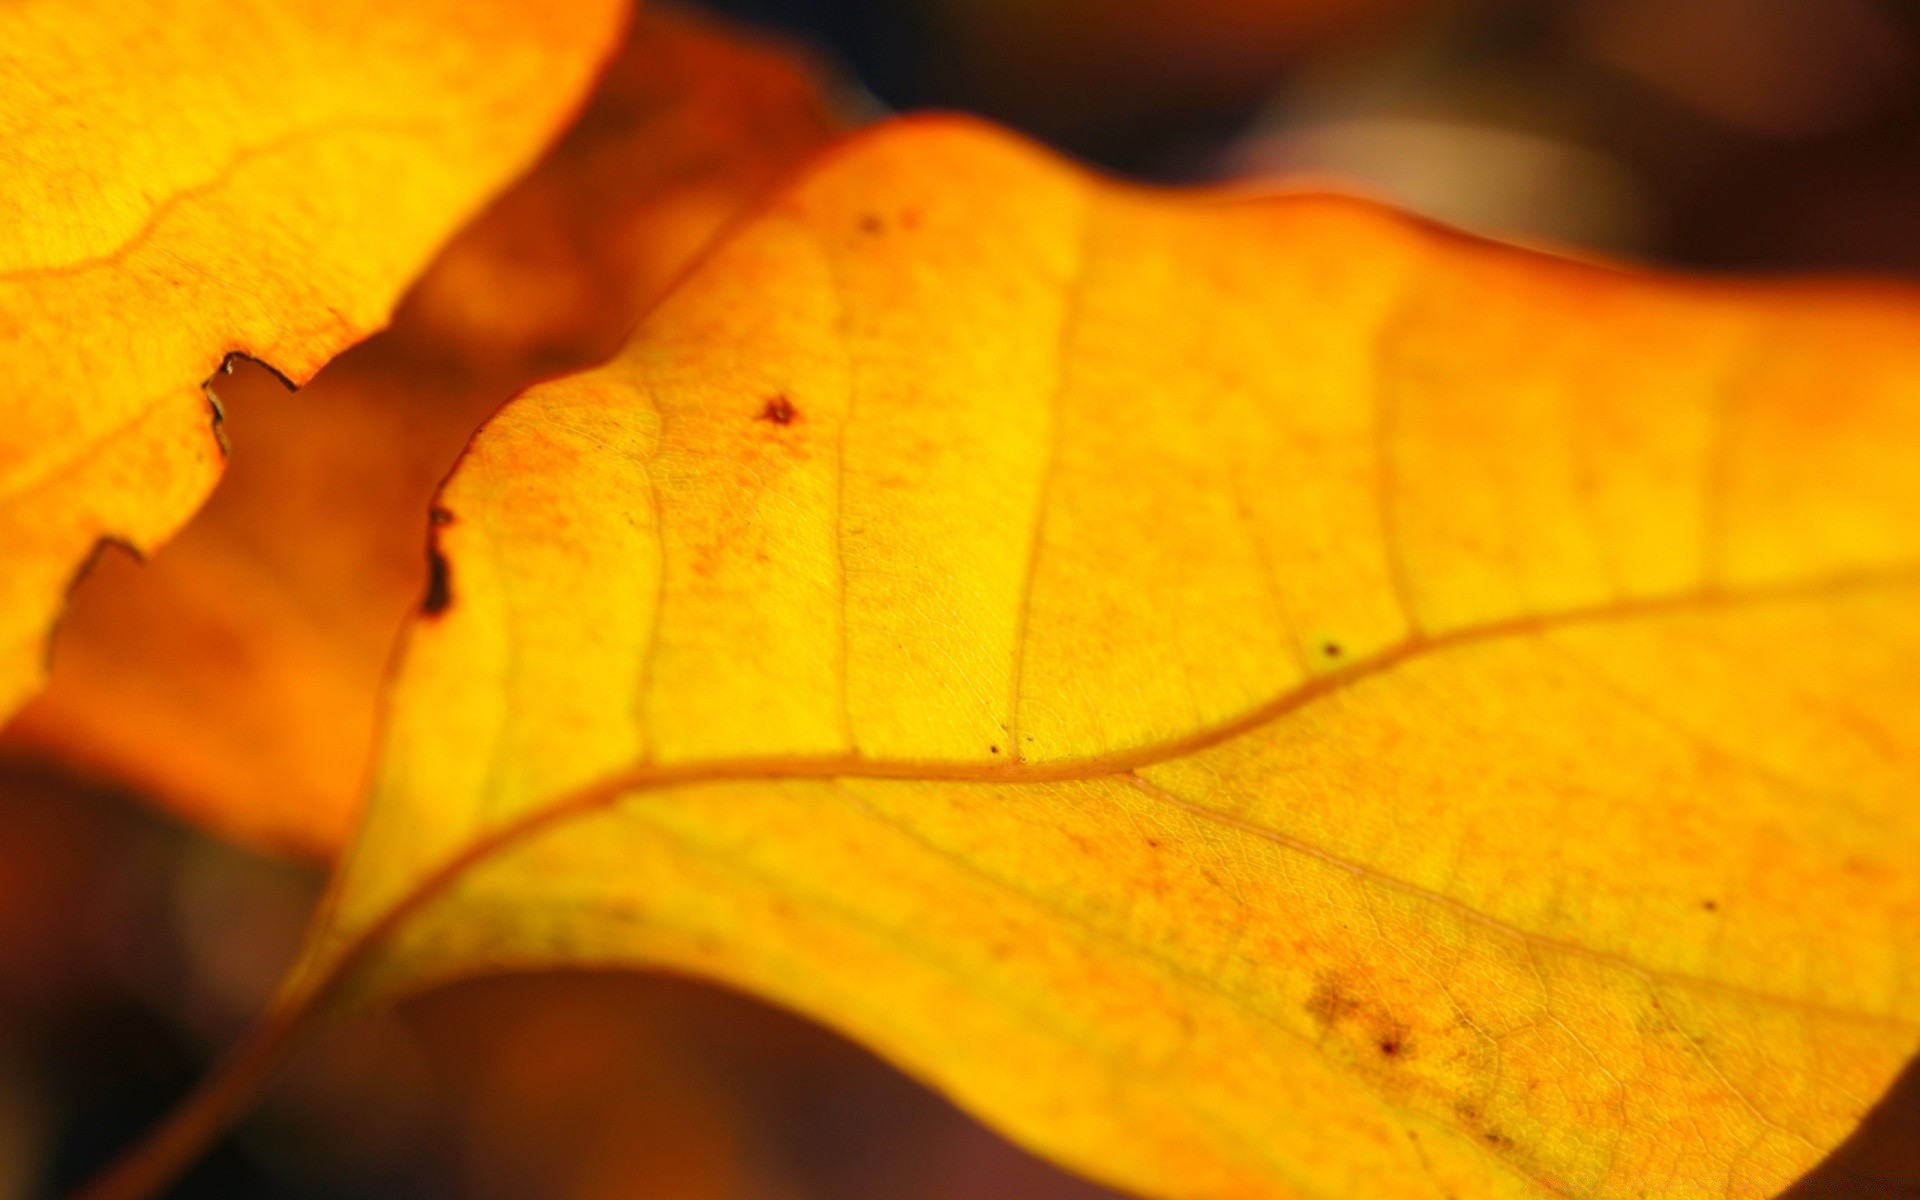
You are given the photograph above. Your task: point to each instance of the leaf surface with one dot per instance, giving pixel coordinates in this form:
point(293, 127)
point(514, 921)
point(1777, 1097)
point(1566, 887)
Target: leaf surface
point(1256, 698)
point(185, 180)
point(235, 675)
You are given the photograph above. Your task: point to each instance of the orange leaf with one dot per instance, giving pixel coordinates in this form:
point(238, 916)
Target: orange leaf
point(184, 182)
point(235, 676)
point(693, 121)
point(1256, 698)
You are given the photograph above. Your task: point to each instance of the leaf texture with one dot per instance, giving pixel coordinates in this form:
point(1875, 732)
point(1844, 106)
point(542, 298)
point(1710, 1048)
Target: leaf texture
point(186, 180)
point(1256, 698)
point(235, 676)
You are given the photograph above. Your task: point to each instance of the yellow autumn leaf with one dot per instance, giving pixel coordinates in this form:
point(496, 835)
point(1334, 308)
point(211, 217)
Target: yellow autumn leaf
point(185, 180)
point(1255, 698)
point(235, 676)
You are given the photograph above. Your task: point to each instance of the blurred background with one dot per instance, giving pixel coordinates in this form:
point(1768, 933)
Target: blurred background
point(1727, 134)
point(1732, 135)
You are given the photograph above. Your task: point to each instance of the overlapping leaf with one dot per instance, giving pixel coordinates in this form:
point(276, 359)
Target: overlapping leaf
point(186, 180)
point(235, 676)
point(1257, 698)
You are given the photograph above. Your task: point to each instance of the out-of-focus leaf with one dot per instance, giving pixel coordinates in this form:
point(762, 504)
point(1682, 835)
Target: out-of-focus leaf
point(1256, 698)
point(235, 675)
point(184, 180)
point(587, 1087)
point(690, 124)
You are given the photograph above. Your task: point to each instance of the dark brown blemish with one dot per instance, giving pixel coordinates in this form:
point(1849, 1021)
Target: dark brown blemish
point(779, 410)
point(871, 223)
point(217, 409)
point(1471, 1115)
point(439, 516)
point(439, 584)
point(1154, 843)
point(1330, 1002)
point(1330, 649)
point(232, 360)
point(993, 749)
point(1712, 906)
point(1334, 1004)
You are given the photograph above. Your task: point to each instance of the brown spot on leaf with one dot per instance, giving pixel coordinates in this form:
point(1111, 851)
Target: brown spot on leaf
point(1330, 1002)
point(439, 584)
point(779, 410)
point(1342, 1005)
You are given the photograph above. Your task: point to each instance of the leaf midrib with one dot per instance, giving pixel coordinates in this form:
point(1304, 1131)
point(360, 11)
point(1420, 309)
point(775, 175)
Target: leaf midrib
point(650, 776)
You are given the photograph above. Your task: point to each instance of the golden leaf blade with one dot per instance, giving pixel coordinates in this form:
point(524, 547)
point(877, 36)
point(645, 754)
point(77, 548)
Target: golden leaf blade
point(1256, 698)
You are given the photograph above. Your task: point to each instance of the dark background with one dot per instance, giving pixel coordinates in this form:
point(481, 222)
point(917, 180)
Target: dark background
point(1729, 134)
